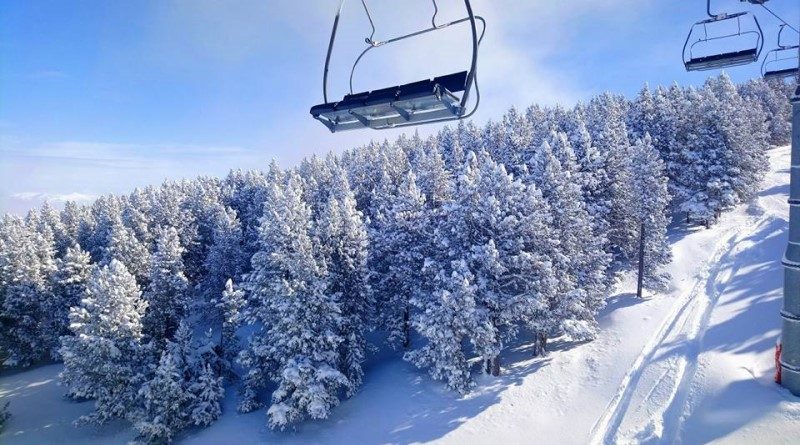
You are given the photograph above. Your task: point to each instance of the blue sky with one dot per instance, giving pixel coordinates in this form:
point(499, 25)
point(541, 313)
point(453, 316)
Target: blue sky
point(99, 97)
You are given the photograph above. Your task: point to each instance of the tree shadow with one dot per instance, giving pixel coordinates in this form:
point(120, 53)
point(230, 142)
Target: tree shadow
point(41, 414)
point(419, 409)
point(739, 404)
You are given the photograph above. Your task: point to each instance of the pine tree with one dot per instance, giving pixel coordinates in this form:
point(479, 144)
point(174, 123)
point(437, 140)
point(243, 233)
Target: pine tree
point(78, 222)
point(298, 344)
point(592, 177)
point(650, 200)
point(231, 305)
point(447, 318)
point(122, 245)
point(225, 260)
point(433, 178)
point(341, 238)
point(167, 292)
point(69, 284)
point(745, 131)
point(208, 392)
point(103, 359)
point(492, 264)
point(27, 264)
point(771, 96)
point(641, 117)
point(166, 402)
point(706, 181)
point(605, 120)
point(580, 264)
point(397, 254)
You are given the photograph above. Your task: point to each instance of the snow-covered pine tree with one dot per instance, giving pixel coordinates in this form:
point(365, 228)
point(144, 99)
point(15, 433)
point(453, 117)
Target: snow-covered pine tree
point(167, 292)
point(78, 224)
point(26, 267)
point(123, 246)
point(231, 306)
point(650, 200)
point(681, 105)
point(517, 135)
point(106, 212)
point(450, 146)
point(246, 191)
point(136, 214)
point(491, 262)
point(50, 219)
point(771, 96)
point(580, 264)
point(470, 138)
point(104, 358)
point(592, 176)
point(706, 180)
point(185, 389)
point(605, 119)
point(433, 178)
point(341, 240)
point(641, 118)
point(225, 259)
point(165, 402)
point(69, 284)
point(446, 318)
point(298, 342)
point(207, 391)
point(397, 253)
point(744, 129)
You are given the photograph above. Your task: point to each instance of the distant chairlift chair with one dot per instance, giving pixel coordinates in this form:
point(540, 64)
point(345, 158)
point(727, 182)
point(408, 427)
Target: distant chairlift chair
point(422, 102)
point(781, 62)
point(753, 36)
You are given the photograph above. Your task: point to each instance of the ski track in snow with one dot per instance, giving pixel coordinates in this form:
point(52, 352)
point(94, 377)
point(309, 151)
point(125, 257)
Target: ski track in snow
point(688, 305)
point(680, 335)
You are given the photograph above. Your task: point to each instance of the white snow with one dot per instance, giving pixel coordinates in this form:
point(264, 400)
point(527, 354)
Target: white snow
point(692, 365)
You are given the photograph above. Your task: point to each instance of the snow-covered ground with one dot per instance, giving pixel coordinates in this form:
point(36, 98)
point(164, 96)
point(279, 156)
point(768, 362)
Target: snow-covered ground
point(692, 365)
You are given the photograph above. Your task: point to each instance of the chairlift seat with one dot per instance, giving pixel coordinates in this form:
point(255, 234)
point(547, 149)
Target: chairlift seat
point(781, 74)
point(722, 60)
point(416, 102)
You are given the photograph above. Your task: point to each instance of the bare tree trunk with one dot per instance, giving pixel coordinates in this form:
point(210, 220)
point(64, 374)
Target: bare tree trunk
point(641, 261)
point(496, 366)
point(406, 336)
point(540, 344)
point(487, 366)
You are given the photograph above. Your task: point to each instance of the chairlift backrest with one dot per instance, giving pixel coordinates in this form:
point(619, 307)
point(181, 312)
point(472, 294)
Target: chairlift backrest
point(746, 41)
point(416, 103)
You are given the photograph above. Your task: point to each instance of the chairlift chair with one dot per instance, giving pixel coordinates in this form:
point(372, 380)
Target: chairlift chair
point(740, 56)
point(781, 62)
point(443, 98)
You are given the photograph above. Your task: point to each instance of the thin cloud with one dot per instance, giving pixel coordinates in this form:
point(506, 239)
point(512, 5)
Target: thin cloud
point(54, 197)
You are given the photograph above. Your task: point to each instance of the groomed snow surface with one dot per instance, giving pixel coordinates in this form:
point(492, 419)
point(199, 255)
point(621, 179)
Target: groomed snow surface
point(692, 365)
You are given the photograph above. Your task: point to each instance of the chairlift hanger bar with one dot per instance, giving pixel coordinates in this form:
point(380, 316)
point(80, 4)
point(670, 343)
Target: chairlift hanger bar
point(779, 18)
point(780, 45)
point(434, 27)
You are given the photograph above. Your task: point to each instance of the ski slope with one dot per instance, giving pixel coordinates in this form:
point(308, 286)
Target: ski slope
point(691, 365)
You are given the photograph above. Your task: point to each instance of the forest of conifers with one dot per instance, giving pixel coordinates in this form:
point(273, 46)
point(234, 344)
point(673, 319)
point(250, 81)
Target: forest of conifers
point(447, 249)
